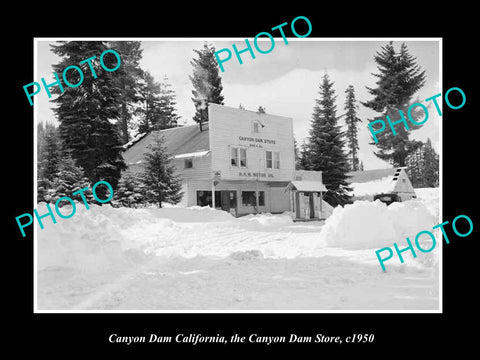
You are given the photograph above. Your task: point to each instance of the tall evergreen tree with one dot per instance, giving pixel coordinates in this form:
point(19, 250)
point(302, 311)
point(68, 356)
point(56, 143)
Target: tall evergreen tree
point(303, 162)
point(165, 114)
point(130, 192)
point(150, 91)
point(360, 167)
point(351, 120)
point(399, 78)
point(87, 113)
point(159, 178)
point(423, 166)
point(207, 83)
point(325, 146)
point(128, 78)
point(48, 155)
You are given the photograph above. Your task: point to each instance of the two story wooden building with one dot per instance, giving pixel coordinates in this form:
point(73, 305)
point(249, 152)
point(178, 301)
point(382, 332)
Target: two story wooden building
point(240, 161)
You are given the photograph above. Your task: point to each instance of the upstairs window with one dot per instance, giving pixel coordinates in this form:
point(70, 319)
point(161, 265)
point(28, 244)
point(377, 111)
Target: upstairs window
point(269, 162)
point(276, 160)
point(234, 156)
point(256, 127)
point(273, 160)
point(238, 157)
point(188, 163)
point(243, 157)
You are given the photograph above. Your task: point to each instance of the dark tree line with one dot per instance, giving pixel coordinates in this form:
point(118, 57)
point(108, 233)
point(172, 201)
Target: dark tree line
point(335, 153)
point(97, 118)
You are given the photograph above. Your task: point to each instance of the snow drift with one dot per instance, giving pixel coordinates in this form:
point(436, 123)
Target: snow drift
point(105, 235)
point(366, 224)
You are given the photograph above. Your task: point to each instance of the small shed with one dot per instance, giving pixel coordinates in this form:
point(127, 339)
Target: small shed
point(367, 184)
point(306, 199)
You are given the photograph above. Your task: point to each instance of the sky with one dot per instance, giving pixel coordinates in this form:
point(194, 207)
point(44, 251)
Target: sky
point(285, 81)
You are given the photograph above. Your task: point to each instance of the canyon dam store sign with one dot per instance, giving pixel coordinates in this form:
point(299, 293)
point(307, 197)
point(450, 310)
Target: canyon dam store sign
point(256, 142)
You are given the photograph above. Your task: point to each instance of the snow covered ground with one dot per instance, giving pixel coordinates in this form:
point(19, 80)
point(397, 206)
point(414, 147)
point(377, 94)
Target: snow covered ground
point(202, 259)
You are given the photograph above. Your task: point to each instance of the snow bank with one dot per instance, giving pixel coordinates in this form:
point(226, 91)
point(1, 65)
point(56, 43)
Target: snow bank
point(373, 187)
point(104, 235)
point(366, 224)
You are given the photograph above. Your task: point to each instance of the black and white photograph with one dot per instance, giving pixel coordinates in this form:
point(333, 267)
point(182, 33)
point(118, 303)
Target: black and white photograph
point(279, 174)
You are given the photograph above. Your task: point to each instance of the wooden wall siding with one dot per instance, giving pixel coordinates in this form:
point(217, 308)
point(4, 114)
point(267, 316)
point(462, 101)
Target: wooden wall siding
point(279, 200)
point(202, 169)
point(276, 135)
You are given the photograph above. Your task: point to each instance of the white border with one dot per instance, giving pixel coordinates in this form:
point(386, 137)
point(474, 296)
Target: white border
point(440, 274)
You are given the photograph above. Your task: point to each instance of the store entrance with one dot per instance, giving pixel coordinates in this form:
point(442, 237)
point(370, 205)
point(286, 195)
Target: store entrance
point(225, 200)
point(229, 201)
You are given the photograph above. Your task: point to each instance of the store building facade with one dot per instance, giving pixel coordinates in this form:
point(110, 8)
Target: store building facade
point(241, 161)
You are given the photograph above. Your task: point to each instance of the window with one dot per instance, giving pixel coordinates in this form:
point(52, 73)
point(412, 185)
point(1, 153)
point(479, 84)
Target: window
point(273, 160)
point(188, 163)
point(261, 198)
point(269, 159)
point(234, 156)
point(249, 198)
point(243, 157)
point(256, 127)
point(276, 160)
point(204, 198)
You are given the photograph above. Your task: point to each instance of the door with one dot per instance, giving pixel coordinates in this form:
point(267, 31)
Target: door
point(229, 201)
point(311, 205)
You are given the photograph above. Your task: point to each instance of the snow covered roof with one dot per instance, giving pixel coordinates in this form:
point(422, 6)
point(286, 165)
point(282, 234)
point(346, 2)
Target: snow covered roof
point(179, 141)
point(309, 186)
point(379, 181)
point(370, 175)
point(194, 154)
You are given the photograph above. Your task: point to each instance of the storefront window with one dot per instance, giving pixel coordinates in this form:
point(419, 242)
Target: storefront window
point(204, 198)
point(249, 198)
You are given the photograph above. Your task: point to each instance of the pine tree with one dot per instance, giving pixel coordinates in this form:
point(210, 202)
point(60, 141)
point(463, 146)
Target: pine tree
point(303, 163)
point(360, 167)
point(130, 192)
point(399, 79)
point(325, 149)
point(48, 155)
point(68, 179)
point(127, 78)
point(87, 112)
point(165, 113)
point(423, 166)
point(159, 178)
point(351, 120)
point(432, 164)
point(207, 83)
point(150, 91)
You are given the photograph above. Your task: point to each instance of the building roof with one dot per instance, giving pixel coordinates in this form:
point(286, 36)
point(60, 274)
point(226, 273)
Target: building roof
point(379, 181)
point(309, 186)
point(179, 141)
point(370, 175)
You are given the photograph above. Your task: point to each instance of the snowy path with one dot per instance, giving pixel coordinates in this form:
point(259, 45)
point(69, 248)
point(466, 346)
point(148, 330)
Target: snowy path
point(200, 259)
point(327, 283)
